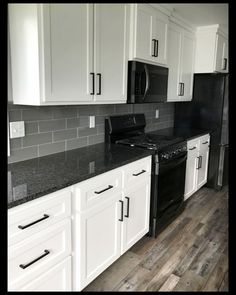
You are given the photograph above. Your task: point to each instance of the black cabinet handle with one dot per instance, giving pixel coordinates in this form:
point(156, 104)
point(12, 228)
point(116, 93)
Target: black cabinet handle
point(105, 189)
point(225, 64)
point(46, 252)
point(45, 216)
point(99, 84)
point(193, 148)
point(122, 210)
point(92, 93)
point(205, 142)
point(139, 173)
point(183, 90)
point(198, 166)
point(127, 213)
point(154, 49)
point(200, 161)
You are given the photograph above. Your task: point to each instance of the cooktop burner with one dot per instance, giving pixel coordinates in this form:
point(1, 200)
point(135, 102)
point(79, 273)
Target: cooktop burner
point(150, 141)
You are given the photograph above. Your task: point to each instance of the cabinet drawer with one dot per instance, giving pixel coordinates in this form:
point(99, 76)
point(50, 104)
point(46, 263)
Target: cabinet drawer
point(58, 278)
point(93, 191)
point(31, 217)
point(204, 141)
point(193, 144)
point(37, 254)
point(136, 171)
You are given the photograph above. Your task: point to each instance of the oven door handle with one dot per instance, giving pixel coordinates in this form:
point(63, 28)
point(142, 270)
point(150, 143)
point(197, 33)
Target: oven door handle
point(164, 166)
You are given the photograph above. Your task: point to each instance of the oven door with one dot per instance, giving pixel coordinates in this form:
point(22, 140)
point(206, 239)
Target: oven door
point(171, 183)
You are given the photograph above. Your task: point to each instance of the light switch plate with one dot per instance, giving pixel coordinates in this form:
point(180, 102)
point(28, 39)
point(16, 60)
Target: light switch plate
point(157, 114)
point(91, 121)
point(17, 129)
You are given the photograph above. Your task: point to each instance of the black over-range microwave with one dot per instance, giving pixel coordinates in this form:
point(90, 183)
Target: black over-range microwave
point(146, 83)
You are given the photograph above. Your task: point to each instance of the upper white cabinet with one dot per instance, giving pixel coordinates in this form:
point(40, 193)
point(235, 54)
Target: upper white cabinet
point(68, 53)
point(149, 29)
point(211, 50)
point(181, 53)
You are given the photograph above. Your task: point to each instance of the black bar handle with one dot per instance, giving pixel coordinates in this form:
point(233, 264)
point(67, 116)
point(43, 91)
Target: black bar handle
point(154, 49)
point(205, 142)
point(193, 148)
point(183, 90)
point(127, 213)
point(225, 64)
point(46, 252)
point(45, 216)
point(92, 93)
point(200, 161)
point(105, 189)
point(99, 84)
point(122, 210)
point(198, 166)
point(139, 173)
point(180, 90)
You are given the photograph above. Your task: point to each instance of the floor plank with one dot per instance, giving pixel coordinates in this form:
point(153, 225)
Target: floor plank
point(191, 254)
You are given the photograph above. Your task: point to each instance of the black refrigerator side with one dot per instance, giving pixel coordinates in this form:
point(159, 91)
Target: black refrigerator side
point(205, 111)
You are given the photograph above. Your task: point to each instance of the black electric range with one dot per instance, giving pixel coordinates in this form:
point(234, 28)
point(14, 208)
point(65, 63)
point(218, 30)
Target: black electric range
point(169, 154)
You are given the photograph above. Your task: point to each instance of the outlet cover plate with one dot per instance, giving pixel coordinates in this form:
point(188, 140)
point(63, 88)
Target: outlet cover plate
point(17, 129)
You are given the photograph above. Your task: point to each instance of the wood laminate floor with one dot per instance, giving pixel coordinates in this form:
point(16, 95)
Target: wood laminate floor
point(191, 254)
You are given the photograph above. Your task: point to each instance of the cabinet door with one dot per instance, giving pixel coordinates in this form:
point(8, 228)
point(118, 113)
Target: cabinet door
point(188, 50)
point(219, 55)
point(97, 241)
point(110, 52)
point(143, 34)
point(191, 169)
point(58, 278)
point(160, 30)
point(203, 163)
point(136, 214)
point(174, 61)
point(68, 52)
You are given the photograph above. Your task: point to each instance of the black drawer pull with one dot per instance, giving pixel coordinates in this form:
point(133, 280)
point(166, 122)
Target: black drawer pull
point(154, 50)
point(46, 252)
point(105, 189)
point(45, 216)
point(139, 173)
point(122, 210)
point(92, 93)
point(193, 148)
point(127, 213)
point(205, 142)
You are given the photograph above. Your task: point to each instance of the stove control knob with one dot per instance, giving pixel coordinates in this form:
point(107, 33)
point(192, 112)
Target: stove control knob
point(165, 156)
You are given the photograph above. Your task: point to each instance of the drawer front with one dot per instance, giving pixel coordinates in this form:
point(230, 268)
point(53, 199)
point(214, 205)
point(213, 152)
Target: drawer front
point(193, 146)
point(37, 254)
point(136, 171)
point(32, 217)
point(204, 141)
point(58, 278)
point(100, 188)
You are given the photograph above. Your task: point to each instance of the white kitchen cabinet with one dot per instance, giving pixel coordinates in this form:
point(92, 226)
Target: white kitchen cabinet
point(149, 31)
point(103, 229)
point(136, 215)
point(57, 278)
point(211, 50)
point(68, 54)
point(181, 50)
point(197, 164)
point(39, 243)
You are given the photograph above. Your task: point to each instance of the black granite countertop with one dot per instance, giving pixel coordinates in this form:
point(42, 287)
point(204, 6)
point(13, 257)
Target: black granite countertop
point(187, 133)
point(31, 179)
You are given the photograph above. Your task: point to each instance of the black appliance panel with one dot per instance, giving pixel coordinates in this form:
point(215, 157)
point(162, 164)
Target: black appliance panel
point(146, 83)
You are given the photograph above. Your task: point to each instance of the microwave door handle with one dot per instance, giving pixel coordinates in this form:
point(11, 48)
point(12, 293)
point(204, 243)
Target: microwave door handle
point(147, 81)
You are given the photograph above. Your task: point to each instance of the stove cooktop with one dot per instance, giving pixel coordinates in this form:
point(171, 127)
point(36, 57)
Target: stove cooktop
point(151, 141)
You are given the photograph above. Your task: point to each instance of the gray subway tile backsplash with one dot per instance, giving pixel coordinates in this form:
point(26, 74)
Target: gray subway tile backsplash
point(52, 129)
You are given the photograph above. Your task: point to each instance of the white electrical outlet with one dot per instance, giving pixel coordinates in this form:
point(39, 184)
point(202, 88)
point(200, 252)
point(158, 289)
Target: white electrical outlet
point(91, 121)
point(157, 113)
point(17, 129)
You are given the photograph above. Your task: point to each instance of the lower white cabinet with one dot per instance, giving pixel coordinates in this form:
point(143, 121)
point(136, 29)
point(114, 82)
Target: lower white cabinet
point(103, 232)
point(57, 278)
point(197, 164)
